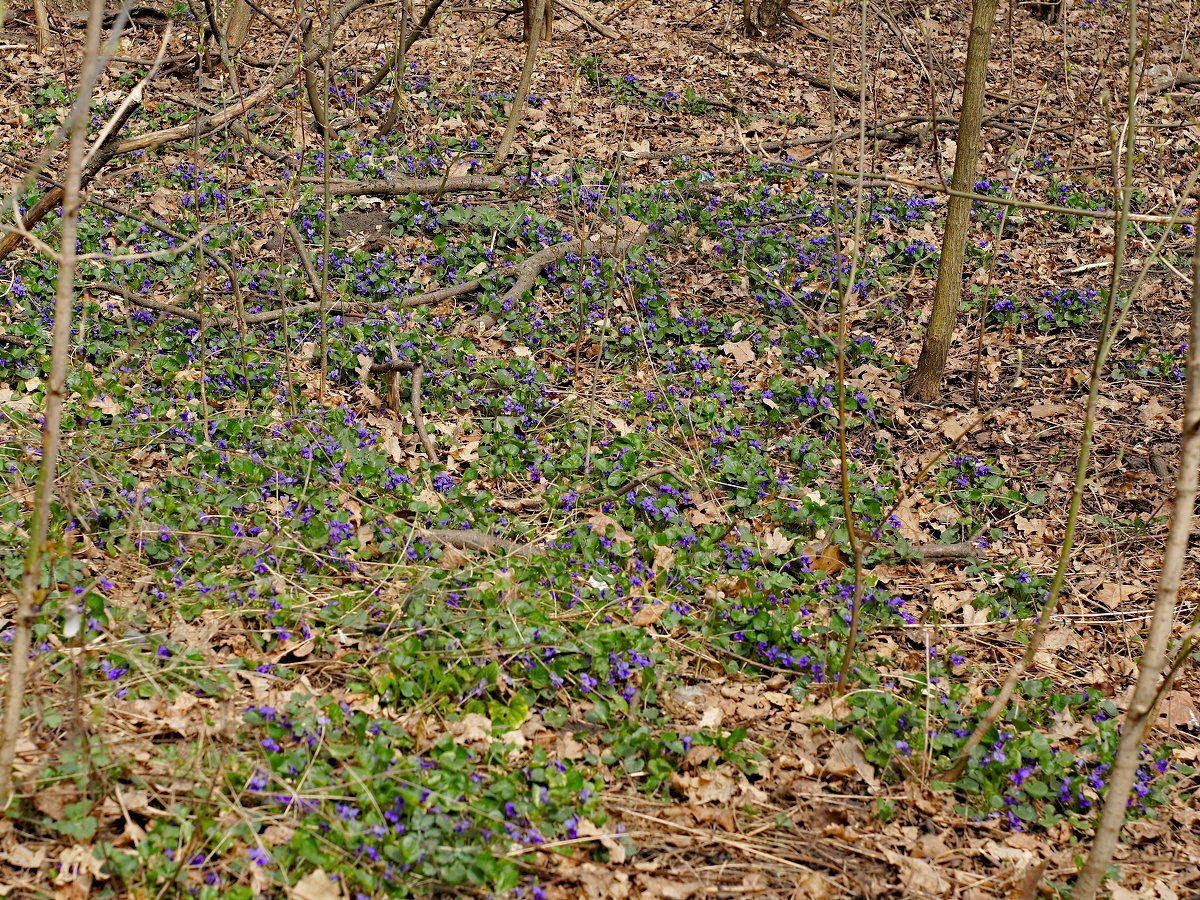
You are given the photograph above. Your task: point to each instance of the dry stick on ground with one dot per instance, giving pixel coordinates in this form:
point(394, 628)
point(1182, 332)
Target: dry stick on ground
point(526, 272)
point(471, 539)
point(419, 419)
point(878, 132)
point(518, 104)
point(64, 302)
point(843, 88)
point(399, 187)
point(53, 197)
point(591, 21)
point(1150, 682)
point(206, 124)
point(237, 129)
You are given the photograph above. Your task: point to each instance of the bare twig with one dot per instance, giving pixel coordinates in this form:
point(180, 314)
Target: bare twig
point(1151, 685)
point(64, 302)
point(418, 418)
point(526, 272)
point(518, 104)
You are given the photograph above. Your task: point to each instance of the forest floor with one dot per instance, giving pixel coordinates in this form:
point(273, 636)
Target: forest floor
point(539, 586)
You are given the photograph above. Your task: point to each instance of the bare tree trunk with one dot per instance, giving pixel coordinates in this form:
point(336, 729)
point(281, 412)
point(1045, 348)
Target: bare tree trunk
point(926, 382)
point(64, 302)
point(1148, 689)
point(766, 18)
point(41, 25)
point(538, 19)
point(237, 27)
point(530, 14)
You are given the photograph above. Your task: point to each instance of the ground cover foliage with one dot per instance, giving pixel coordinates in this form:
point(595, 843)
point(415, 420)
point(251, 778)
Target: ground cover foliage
point(581, 638)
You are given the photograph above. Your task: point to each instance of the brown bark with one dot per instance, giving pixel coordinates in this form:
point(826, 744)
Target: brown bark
point(765, 19)
point(926, 382)
point(529, 11)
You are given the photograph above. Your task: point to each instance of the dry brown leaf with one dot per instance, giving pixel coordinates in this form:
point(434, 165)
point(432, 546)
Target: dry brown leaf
point(616, 852)
point(776, 544)
point(1181, 711)
point(811, 886)
point(669, 888)
point(473, 728)
point(848, 758)
point(23, 857)
point(316, 885)
point(649, 614)
point(742, 351)
point(1113, 595)
point(664, 558)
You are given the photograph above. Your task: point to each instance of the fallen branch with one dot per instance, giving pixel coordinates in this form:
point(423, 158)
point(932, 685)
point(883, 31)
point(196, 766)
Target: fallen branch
point(206, 124)
point(50, 200)
point(470, 539)
point(392, 365)
point(638, 481)
point(591, 21)
point(842, 87)
point(225, 321)
point(748, 146)
point(402, 187)
point(964, 550)
point(879, 132)
point(419, 419)
point(526, 272)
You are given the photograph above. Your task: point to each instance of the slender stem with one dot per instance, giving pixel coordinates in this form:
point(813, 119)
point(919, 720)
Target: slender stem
point(1107, 335)
point(64, 302)
point(844, 292)
point(325, 200)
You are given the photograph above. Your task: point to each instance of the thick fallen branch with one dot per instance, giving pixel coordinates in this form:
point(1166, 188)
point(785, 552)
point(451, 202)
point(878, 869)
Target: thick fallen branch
point(50, 200)
point(206, 124)
point(964, 550)
point(402, 187)
point(471, 539)
point(526, 273)
point(590, 21)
